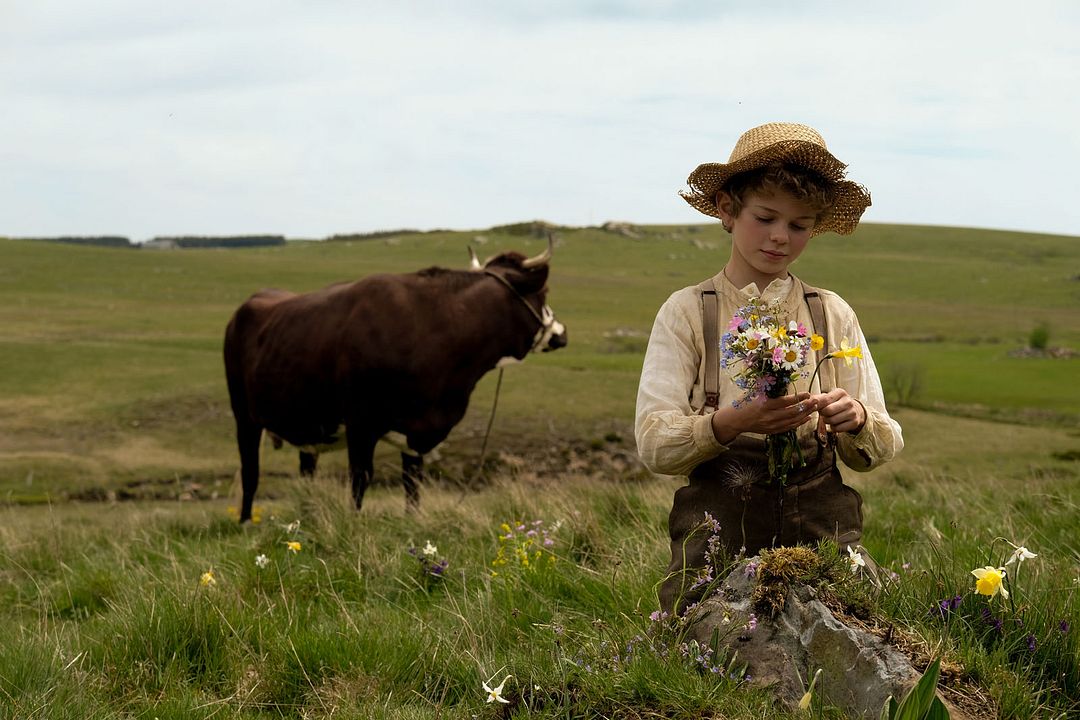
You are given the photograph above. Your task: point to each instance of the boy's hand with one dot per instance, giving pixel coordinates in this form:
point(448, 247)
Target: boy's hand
point(766, 417)
point(840, 411)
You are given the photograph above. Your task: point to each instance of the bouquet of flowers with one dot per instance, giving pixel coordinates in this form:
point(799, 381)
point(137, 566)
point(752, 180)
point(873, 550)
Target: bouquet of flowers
point(772, 354)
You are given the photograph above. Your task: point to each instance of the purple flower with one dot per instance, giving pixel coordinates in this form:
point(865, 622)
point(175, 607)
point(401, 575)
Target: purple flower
point(751, 569)
point(1064, 626)
point(1031, 643)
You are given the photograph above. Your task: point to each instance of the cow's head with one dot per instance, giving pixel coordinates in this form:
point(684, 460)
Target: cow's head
point(526, 277)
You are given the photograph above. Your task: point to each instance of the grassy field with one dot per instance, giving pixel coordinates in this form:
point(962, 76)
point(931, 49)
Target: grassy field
point(112, 387)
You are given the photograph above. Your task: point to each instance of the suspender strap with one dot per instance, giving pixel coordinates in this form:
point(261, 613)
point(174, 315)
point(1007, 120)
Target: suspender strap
point(817, 316)
point(709, 312)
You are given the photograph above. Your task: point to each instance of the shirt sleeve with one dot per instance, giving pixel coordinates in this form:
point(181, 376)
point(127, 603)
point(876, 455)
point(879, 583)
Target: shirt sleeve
point(880, 438)
point(672, 439)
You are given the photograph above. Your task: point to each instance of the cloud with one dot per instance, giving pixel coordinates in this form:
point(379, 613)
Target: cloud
point(322, 117)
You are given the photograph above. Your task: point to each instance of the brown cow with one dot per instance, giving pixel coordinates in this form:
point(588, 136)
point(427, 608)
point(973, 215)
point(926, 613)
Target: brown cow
point(388, 353)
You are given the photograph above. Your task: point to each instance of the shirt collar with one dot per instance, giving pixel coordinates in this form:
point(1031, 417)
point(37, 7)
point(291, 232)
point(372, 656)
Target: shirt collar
point(778, 289)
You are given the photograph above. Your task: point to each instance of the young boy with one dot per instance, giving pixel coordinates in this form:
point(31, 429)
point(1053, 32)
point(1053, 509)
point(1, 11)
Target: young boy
point(780, 187)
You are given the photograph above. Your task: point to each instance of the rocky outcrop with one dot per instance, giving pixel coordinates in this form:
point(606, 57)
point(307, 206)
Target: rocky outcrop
point(859, 670)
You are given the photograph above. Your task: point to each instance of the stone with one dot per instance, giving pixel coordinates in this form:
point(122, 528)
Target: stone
point(859, 670)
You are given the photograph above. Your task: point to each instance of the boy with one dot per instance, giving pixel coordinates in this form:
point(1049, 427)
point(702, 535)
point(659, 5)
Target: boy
point(780, 187)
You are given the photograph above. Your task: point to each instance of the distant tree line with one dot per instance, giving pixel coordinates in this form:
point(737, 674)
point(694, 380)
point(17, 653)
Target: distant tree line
point(105, 240)
point(210, 241)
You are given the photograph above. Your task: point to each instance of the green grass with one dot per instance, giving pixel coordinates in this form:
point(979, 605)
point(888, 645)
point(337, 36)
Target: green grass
point(111, 385)
point(110, 360)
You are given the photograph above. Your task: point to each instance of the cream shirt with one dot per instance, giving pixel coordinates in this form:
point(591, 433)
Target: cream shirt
point(672, 438)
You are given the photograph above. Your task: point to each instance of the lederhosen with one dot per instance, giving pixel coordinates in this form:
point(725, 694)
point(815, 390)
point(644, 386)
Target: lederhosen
point(735, 489)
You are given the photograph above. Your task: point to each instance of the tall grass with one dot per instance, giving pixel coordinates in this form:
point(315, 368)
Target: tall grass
point(118, 624)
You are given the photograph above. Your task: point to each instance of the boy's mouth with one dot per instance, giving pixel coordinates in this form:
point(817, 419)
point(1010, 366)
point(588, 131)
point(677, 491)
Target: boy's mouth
point(774, 255)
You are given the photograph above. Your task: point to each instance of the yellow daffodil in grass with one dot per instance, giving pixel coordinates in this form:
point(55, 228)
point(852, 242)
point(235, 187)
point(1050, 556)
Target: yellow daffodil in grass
point(293, 546)
point(207, 579)
point(989, 581)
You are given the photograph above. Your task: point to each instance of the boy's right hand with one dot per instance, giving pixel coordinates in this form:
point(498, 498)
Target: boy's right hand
point(766, 417)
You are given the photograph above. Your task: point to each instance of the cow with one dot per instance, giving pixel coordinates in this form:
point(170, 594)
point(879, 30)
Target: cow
point(389, 353)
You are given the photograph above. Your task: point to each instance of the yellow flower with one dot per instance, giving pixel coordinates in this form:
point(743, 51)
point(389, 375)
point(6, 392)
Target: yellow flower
point(804, 703)
point(752, 343)
point(816, 342)
point(847, 352)
point(989, 581)
point(207, 579)
point(293, 546)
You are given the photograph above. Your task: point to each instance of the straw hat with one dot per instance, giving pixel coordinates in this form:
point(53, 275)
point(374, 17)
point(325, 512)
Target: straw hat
point(788, 143)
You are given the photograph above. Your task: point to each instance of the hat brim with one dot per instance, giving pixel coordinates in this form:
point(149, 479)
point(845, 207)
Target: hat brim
point(850, 200)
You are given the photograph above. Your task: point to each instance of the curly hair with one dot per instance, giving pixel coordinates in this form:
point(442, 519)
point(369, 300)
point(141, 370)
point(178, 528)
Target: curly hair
point(804, 185)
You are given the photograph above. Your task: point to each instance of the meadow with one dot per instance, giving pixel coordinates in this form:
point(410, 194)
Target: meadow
point(129, 590)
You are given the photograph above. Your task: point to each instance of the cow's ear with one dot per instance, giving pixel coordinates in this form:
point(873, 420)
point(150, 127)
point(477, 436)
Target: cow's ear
point(531, 280)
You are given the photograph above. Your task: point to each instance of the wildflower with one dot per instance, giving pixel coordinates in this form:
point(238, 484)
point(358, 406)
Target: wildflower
point(750, 570)
point(804, 704)
point(657, 616)
point(856, 559)
point(495, 694)
point(293, 546)
point(906, 566)
point(989, 581)
point(1031, 643)
point(1020, 554)
point(816, 342)
point(1064, 626)
point(207, 579)
point(292, 527)
point(261, 561)
point(430, 550)
point(847, 352)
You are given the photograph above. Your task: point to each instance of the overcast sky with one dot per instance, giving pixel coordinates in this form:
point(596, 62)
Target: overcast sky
point(319, 117)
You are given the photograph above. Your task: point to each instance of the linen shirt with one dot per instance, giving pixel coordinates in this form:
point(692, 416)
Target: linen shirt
point(673, 437)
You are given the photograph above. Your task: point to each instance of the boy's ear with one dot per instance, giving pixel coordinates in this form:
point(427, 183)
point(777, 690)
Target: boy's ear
point(726, 205)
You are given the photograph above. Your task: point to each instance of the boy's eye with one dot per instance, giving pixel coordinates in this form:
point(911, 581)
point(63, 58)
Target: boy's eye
point(799, 228)
point(763, 219)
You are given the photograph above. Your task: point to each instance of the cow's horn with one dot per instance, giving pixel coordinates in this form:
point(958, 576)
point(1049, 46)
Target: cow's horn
point(541, 259)
point(474, 262)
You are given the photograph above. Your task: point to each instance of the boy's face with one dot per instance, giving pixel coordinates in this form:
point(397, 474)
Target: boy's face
point(768, 234)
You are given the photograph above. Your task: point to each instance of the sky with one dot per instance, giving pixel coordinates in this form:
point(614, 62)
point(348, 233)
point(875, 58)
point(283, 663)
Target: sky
point(308, 119)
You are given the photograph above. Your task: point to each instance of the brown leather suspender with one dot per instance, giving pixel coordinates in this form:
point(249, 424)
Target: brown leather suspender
point(712, 346)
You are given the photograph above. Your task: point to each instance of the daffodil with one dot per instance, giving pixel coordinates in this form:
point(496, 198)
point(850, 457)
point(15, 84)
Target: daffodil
point(856, 559)
point(989, 581)
point(207, 579)
point(1020, 554)
point(292, 545)
point(847, 352)
point(495, 694)
point(804, 703)
point(261, 561)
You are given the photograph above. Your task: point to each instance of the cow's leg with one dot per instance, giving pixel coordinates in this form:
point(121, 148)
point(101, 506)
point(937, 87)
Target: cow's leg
point(412, 473)
point(308, 461)
point(361, 462)
point(248, 439)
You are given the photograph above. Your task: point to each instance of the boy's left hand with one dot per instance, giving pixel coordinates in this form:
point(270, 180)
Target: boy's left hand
point(840, 411)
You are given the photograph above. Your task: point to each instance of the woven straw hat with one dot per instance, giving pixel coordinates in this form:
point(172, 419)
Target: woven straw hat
point(788, 143)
